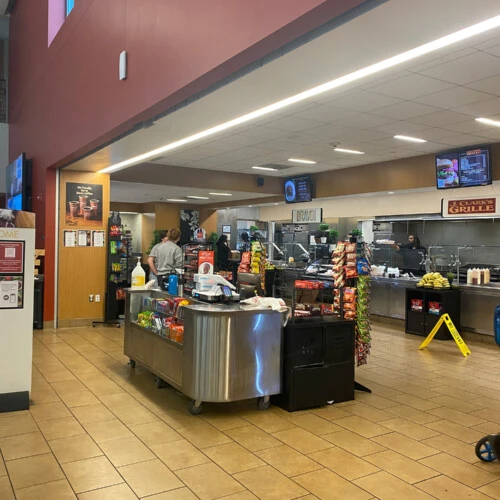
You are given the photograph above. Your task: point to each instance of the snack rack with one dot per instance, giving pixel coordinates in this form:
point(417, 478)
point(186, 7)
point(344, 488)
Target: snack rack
point(191, 263)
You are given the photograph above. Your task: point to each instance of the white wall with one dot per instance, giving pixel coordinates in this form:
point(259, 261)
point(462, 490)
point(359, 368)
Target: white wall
point(4, 154)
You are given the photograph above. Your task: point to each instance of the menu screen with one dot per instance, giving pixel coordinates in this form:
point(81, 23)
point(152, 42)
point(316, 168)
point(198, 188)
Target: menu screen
point(463, 168)
point(298, 189)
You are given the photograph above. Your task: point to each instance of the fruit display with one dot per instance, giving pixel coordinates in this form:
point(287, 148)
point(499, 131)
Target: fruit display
point(434, 280)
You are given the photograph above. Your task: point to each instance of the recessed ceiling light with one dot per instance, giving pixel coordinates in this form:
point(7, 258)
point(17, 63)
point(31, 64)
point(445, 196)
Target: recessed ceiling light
point(221, 194)
point(487, 121)
point(390, 192)
point(250, 206)
point(352, 151)
point(391, 62)
point(198, 197)
point(265, 168)
point(298, 160)
point(176, 200)
point(276, 203)
point(408, 138)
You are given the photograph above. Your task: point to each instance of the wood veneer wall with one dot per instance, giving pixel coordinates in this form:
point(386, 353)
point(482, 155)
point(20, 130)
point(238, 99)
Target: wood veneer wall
point(82, 270)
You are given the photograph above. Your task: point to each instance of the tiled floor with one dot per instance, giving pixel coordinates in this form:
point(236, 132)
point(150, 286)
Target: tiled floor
point(99, 430)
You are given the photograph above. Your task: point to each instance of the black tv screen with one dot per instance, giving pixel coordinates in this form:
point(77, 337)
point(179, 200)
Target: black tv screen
point(18, 184)
point(298, 189)
point(464, 167)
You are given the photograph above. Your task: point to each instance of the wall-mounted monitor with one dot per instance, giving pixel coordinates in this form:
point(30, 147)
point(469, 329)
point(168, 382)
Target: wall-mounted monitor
point(464, 167)
point(19, 184)
point(298, 189)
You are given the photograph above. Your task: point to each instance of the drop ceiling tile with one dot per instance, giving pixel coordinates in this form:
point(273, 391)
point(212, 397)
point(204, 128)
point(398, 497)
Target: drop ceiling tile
point(435, 133)
point(324, 113)
point(405, 110)
point(401, 127)
point(411, 86)
point(353, 137)
point(331, 130)
point(466, 69)
point(468, 127)
point(365, 120)
point(463, 140)
point(453, 97)
point(489, 85)
point(494, 51)
point(440, 118)
point(264, 132)
point(431, 61)
point(363, 100)
point(379, 79)
point(489, 133)
point(486, 44)
point(483, 108)
point(293, 124)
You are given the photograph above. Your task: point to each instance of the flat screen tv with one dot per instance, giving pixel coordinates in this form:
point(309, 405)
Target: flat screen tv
point(298, 189)
point(18, 184)
point(464, 167)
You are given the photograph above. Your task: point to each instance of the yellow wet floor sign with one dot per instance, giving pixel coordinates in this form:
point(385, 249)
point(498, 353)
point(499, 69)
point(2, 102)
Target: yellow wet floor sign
point(445, 318)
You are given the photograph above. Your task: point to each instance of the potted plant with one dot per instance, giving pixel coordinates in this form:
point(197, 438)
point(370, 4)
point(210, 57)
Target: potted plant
point(323, 227)
point(333, 234)
point(356, 234)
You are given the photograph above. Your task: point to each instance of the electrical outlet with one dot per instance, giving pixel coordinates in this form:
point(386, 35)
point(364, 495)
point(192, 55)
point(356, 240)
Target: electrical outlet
point(91, 298)
point(98, 298)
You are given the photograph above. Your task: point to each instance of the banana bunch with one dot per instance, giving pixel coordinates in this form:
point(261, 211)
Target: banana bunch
point(434, 280)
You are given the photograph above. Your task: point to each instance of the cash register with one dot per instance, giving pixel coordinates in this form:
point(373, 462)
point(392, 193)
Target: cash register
point(214, 288)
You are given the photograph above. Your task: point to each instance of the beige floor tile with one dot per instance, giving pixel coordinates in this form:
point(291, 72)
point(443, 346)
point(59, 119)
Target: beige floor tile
point(41, 396)
point(49, 411)
point(267, 421)
point(92, 413)
point(374, 400)
point(59, 375)
point(117, 492)
point(460, 471)
point(400, 466)
point(233, 458)
point(387, 487)
point(225, 421)
point(31, 471)
point(455, 403)
point(203, 436)
point(268, 484)
point(13, 425)
point(23, 445)
point(126, 451)
point(80, 398)
point(107, 430)
point(354, 443)
point(445, 488)
point(369, 412)
point(288, 461)
point(246, 495)
point(3, 470)
point(148, 478)
point(362, 426)
point(135, 415)
point(315, 424)
point(331, 412)
point(491, 489)
point(179, 454)
point(91, 473)
point(155, 433)
point(68, 386)
point(344, 463)
point(57, 428)
point(74, 448)
point(417, 416)
point(179, 494)
point(457, 431)
point(453, 447)
point(56, 490)
point(302, 440)
point(327, 485)
point(456, 416)
point(415, 402)
point(410, 429)
point(6, 492)
point(405, 445)
point(252, 438)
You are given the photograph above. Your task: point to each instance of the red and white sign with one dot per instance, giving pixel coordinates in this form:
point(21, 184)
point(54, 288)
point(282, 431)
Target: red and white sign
point(11, 257)
point(471, 207)
point(206, 262)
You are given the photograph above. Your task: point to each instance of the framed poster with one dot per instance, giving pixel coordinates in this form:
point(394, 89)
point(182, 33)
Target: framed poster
point(70, 238)
point(11, 257)
point(84, 238)
point(98, 238)
point(226, 229)
point(11, 292)
point(83, 205)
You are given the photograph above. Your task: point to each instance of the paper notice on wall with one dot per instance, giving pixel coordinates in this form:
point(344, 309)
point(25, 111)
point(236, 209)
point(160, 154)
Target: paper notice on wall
point(84, 238)
point(11, 292)
point(12, 257)
point(70, 238)
point(98, 238)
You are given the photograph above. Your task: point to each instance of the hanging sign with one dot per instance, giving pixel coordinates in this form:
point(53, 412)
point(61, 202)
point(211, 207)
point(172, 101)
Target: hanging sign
point(199, 234)
point(471, 207)
point(307, 215)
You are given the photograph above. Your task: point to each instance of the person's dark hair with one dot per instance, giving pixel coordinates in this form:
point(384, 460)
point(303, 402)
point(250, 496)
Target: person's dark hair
point(244, 237)
point(416, 240)
point(163, 234)
point(222, 239)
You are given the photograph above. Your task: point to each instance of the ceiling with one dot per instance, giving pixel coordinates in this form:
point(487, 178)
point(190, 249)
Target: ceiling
point(436, 97)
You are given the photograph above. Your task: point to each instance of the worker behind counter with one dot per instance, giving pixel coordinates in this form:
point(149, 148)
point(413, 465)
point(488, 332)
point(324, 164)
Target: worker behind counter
point(413, 254)
point(165, 258)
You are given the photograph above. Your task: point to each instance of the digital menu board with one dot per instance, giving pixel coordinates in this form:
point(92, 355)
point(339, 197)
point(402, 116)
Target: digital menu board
point(298, 189)
point(465, 167)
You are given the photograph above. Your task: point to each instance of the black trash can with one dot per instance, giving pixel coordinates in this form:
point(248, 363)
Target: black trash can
point(38, 303)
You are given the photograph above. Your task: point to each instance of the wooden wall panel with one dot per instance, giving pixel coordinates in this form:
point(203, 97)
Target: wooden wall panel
point(82, 270)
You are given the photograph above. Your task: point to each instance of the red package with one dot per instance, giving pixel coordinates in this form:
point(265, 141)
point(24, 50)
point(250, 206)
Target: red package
point(350, 315)
point(349, 306)
point(417, 304)
point(350, 272)
point(434, 307)
point(326, 309)
point(350, 248)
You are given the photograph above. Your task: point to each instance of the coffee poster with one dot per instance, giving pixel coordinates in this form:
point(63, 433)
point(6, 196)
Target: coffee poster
point(83, 205)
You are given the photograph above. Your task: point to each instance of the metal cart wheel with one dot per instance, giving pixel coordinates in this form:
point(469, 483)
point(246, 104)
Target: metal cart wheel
point(195, 407)
point(160, 382)
point(131, 363)
point(484, 450)
point(263, 403)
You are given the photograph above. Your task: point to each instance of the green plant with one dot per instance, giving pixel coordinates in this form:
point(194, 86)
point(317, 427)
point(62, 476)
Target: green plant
point(254, 228)
point(356, 232)
point(155, 241)
point(333, 234)
point(323, 226)
point(450, 276)
point(213, 237)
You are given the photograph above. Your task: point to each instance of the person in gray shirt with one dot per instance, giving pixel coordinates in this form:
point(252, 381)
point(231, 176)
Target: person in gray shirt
point(163, 239)
point(166, 257)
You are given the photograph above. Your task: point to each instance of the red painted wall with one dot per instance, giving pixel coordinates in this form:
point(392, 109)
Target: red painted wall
point(66, 99)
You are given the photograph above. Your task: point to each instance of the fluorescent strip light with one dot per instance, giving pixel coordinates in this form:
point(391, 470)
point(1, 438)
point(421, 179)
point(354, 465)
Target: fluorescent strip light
point(266, 168)
point(176, 200)
point(198, 197)
point(221, 194)
point(390, 62)
point(352, 151)
point(408, 138)
point(487, 121)
point(298, 160)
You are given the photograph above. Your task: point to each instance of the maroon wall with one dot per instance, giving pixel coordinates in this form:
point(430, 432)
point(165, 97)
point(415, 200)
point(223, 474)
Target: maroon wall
point(66, 99)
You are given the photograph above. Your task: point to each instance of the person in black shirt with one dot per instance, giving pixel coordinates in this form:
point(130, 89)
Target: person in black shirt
point(223, 253)
point(412, 253)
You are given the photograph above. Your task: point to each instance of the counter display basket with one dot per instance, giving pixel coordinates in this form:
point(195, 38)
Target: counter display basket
point(210, 352)
point(192, 260)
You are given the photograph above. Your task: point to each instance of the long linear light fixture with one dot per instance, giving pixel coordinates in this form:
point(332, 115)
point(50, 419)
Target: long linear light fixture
point(391, 62)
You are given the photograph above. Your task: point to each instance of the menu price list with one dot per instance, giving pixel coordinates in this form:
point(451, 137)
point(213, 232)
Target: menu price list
point(474, 167)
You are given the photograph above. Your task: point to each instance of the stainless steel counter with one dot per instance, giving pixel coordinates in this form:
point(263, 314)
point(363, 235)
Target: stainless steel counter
point(388, 296)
